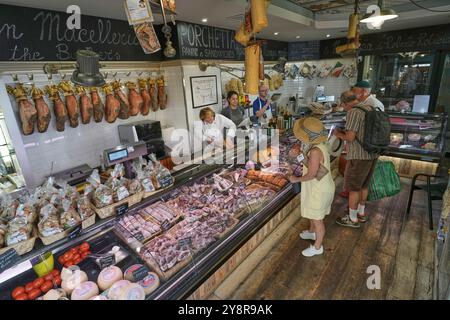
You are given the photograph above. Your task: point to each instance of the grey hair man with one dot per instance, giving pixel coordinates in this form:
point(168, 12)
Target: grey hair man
point(362, 91)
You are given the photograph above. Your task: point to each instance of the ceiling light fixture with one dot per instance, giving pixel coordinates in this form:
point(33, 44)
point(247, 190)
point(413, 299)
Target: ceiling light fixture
point(378, 14)
point(276, 33)
point(297, 37)
point(205, 20)
point(328, 35)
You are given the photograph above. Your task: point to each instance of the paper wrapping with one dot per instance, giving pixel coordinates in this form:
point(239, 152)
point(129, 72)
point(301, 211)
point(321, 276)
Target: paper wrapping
point(241, 36)
point(352, 26)
point(259, 14)
point(252, 55)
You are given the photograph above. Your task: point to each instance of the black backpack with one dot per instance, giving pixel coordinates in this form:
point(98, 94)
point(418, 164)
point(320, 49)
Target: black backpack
point(377, 131)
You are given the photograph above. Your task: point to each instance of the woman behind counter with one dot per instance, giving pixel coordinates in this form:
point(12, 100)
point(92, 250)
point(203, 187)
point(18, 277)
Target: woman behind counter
point(234, 111)
point(214, 126)
point(316, 195)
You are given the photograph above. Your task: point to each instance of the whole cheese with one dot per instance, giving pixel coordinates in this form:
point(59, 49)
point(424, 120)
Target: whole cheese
point(150, 283)
point(73, 281)
point(117, 289)
point(108, 277)
point(54, 294)
point(85, 291)
point(133, 292)
point(128, 275)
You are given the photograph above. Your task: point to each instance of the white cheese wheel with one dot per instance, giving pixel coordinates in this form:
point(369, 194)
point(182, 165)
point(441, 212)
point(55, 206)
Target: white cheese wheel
point(117, 289)
point(99, 298)
point(150, 283)
point(128, 275)
point(133, 292)
point(54, 294)
point(108, 277)
point(85, 291)
point(73, 281)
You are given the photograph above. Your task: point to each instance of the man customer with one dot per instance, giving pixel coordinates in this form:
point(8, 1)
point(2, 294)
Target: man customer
point(261, 106)
point(362, 91)
point(360, 164)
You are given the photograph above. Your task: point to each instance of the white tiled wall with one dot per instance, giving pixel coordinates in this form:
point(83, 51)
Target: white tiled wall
point(85, 144)
point(304, 87)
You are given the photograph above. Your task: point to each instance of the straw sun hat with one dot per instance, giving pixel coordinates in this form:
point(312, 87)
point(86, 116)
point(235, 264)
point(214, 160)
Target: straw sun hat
point(310, 130)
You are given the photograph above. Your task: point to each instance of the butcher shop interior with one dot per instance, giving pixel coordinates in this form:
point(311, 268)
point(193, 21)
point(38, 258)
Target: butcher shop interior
point(224, 150)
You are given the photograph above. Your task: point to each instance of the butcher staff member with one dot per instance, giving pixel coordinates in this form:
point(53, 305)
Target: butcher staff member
point(234, 111)
point(261, 106)
point(362, 91)
point(213, 128)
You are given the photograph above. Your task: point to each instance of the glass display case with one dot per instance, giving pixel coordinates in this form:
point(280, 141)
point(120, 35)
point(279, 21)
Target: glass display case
point(182, 234)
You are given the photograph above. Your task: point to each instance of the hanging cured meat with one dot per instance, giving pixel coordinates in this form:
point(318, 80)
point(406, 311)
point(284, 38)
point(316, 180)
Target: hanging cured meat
point(112, 105)
point(134, 98)
point(73, 109)
point(43, 111)
point(27, 111)
point(153, 94)
point(124, 105)
point(147, 100)
point(86, 107)
point(162, 96)
point(58, 107)
point(98, 105)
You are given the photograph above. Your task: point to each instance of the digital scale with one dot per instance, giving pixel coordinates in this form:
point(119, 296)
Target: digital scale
point(125, 154)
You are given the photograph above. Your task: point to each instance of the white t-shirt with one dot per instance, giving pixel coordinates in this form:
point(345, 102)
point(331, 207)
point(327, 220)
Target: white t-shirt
point(374, 102)
point(214, 131)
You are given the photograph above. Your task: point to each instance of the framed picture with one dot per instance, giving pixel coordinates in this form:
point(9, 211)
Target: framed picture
point(204, 91)
point(138, 11)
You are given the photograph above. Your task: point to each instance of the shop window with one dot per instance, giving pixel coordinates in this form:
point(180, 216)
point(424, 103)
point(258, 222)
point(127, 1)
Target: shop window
point(399, 76)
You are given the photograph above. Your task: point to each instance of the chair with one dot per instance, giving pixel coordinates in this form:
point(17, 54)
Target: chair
point(435, 191)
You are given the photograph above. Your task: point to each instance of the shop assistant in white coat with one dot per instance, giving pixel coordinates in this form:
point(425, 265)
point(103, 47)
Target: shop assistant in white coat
point(261, 106)
point(214, 126)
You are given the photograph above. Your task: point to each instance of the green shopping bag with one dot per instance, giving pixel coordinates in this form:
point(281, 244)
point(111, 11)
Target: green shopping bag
point(385, 181)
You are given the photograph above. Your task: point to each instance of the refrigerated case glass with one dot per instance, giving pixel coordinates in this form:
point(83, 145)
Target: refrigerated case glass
point(443, 102)
point(399, 76)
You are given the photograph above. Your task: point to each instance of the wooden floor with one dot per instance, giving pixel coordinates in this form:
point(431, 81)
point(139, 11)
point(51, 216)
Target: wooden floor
point(404, 251)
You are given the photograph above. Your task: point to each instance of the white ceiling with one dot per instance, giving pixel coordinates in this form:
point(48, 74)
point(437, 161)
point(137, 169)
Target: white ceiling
point(220, 13)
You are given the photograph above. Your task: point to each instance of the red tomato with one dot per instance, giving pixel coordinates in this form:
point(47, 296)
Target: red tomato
point(47, 285)
point(38, 282)
point(55, 272)
point(57, 280)
point(17, 291)
point(77, 261)
point(67, 256)
point(84, 247)
point(76, 256)
point(84, 254)
point(33, 294)
point(22, 296)
point(29, 286)
point(48, 277)
point(61, 260)
point(73, 251)
point(68, 263)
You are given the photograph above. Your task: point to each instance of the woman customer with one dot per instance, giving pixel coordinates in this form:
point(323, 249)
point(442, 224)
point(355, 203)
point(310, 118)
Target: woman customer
point(317, 184)
point(214, 126)
point(234, 111)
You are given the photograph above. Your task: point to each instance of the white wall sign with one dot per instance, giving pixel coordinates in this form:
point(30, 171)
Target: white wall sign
point(204, 91)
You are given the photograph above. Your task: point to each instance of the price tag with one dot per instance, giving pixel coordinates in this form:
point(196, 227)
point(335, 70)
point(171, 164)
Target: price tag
point(140, 273)
point(139, 236)
point(300, 158)
point(165, 225)
point(8, 259)
point(122, 209)
point(107, 261)
point(75, 232)
point(185, 242)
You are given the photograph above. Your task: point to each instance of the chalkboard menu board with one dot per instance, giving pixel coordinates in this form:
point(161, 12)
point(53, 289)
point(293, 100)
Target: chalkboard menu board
point(41, 35)
point(304, 50)
point(418, 39)
point(206, 42)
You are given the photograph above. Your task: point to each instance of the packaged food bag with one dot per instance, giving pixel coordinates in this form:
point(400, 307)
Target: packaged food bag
point(69, 217)
point(385, 181)
point(49, 221)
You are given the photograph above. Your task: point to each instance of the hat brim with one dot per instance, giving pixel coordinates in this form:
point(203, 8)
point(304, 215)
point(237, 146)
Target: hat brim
point(301, 135)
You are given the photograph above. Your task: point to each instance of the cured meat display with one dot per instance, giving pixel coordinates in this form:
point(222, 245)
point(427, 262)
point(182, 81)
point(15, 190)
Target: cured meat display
point(112, 105)
point(160, 213)
point(153, 94)
point(27, 111)
point(87, 109)
point(135, 99)
point(43, 111)
point(162, 96)
point(73, 109)
point(136, 227)
point(146, 99)
point(59, 108)
point(123, 101)
point(99, 108)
